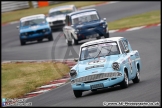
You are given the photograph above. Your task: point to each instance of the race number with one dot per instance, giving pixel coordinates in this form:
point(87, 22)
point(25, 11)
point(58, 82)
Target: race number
point(130, 63)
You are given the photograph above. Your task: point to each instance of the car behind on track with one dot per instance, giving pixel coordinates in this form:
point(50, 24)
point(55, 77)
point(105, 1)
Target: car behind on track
point(34, 27)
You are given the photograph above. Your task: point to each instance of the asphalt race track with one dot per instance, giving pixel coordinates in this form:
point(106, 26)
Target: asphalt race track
point(146, 41)
point(11, 49)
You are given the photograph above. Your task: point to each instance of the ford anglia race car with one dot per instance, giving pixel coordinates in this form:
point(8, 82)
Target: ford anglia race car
point(34, 27)
point(105, 63)
point(84, 24)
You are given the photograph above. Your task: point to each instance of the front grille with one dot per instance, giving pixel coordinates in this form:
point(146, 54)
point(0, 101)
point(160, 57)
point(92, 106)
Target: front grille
point(57, 22)
point(95, 77)
point(35, 32)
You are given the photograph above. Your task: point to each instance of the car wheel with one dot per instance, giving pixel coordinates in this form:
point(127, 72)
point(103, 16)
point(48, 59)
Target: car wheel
point(77, 93)
point(94, 90)
point(98, 37)
point(39, 40)
point(74, 40)
point(107, 35)
point(137, 78)
point(69, 43)
point(50, 38)
point(22, 42)
point(125, 82)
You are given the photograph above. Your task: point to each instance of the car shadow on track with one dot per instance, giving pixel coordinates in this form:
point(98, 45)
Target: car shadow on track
point(111, 89)
point(35, 42)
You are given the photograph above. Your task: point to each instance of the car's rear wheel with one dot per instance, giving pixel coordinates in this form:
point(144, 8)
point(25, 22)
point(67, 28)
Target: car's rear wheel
point(22, 42)
point(50, 38)
point(107, 35)
point(77, 93)
point(125, 82)
point(137, 78)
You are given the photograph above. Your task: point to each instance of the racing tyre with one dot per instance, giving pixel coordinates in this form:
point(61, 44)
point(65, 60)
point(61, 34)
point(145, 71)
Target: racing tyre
point(75, 41)
point(69, 43)
point(50, 38)
point(137, 78)
point(94, 90)
point(22, 42)
point(39, 40)
point(77, 93)
point(107, 35)
point(98, 37)
point(125, 82)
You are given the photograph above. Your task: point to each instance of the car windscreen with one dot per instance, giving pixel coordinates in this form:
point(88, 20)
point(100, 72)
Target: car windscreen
point(60, 12)
point(33, 22)
point(99, 50)
point(84, 17)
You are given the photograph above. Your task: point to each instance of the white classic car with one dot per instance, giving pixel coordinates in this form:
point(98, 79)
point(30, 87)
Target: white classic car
point(56, 16)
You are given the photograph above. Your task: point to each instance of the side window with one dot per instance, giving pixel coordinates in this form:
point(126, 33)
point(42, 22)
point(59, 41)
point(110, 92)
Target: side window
point(125, 43)
point(121, 46)
point(74, 8)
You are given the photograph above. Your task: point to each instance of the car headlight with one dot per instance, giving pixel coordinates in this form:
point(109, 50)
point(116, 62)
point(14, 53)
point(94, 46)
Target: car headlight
point(73, 73)
point(63, 21)
point(50, 23)
point(116, 66)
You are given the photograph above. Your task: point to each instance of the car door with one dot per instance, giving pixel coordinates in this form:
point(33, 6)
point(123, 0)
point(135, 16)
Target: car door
point(131, 58)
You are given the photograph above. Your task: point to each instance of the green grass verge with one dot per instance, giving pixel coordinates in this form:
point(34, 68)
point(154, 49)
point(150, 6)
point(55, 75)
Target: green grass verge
point(151, 17)
point(20, 78)
point(16, 15)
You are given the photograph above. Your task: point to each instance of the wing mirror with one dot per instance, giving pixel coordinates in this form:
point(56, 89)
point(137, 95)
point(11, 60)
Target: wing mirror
point(127, 50)
point(17, 27)
point(76, 59)
point(104, 19)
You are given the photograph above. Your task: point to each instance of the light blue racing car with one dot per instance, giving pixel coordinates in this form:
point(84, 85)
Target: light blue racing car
point(105, 63)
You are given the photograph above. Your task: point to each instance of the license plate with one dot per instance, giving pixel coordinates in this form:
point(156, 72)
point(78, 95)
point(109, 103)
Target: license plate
point(96, 86)
point(92, 36)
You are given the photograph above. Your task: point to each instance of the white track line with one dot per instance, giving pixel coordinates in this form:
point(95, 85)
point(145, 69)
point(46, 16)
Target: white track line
point(50, 85)
point(135, 28)
point(41, 91)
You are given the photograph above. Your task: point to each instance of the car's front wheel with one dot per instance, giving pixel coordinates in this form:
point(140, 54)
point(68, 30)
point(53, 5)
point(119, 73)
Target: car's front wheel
point(69, 43)
point(107, 35)
point(50, 38)
point(22, 42)
point(39, 40)
point(77, 93)
point(125, 82)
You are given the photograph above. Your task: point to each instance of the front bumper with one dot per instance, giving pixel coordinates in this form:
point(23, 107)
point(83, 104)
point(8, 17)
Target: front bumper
point(84, 34)
point(35, 36)
point(106, 83)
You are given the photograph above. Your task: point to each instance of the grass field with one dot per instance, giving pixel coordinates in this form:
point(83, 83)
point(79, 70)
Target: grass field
point(151, 17)
point(20, 78)
point(16, 15)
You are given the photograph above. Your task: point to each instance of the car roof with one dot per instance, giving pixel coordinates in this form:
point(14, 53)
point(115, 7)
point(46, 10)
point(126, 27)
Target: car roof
point(60, 7)
point(80, 11)
point(101, 41)
point(31, 16)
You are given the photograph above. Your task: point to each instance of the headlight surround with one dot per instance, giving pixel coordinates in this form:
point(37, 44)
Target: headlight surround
point(116, 66)
point(73, 73)
point(24, 34)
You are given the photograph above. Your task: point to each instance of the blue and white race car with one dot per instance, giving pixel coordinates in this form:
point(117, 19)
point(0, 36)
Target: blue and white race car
point(84, 24)
point(105, 63)
point(34, 27)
